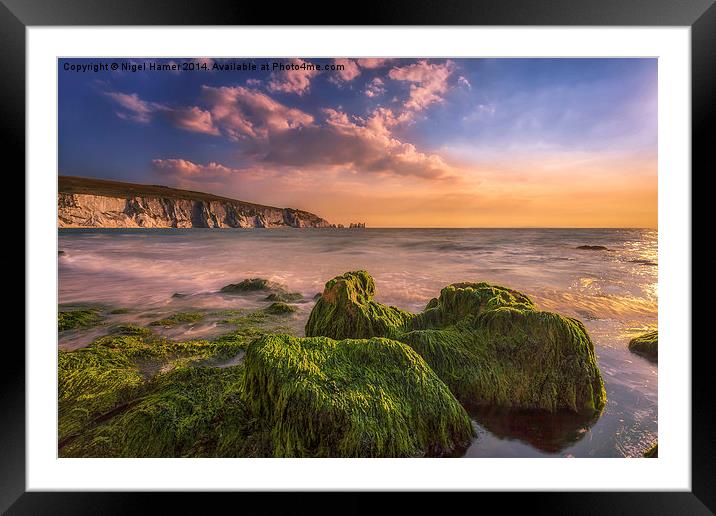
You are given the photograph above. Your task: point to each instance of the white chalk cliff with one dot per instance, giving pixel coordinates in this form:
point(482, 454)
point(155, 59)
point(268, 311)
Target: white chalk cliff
point(110, 204)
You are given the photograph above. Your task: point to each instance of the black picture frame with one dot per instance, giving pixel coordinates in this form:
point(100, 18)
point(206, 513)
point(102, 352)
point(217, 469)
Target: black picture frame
point(700, 15)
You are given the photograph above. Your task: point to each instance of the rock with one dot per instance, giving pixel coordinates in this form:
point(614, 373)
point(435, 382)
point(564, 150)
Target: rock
point(652, 452)
point(280, 308)
point(355, 398)
point(592, 248)
point(284, 297)
point(488, 343)
point(646, 345)
point(179, 318)
point(346, 310)
point(178, 295)
point(253, 285)
point(60, 253)
point(131, 329)
point(75, 319)
point(644, 262)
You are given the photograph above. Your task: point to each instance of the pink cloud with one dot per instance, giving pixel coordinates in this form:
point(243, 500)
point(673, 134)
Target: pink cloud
point(353, 143)
point(245, 113)
point(349, 72)
point(373, 62)
point(192, 119)
point(296, 80)
point(428, 82)
point(374, 88)
point(135, 109)
point(188, 170)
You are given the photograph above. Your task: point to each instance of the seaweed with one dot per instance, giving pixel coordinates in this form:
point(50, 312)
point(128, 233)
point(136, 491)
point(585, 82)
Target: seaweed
point(646, 345)
point(488, 343)
point(186, 412)
point(346, 310)
point(280, 308)
point(75, 319)
point(350, 398)
point(253, 285)
point(116, 369)
point(179, 318)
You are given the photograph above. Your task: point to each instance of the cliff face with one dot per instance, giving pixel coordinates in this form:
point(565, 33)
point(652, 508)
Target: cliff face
point(99, 207)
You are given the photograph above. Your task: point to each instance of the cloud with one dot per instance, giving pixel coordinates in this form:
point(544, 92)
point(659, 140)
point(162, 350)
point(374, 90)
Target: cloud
point(182, 169)
point(349, 72)
point(134, 108)
point(350, 69)
point(353, 143)
point(296, 79)
point(462, 81)
point(245, 113)
point(428, 82)
point(190, 118)
point(373, 62)
point(374, 88)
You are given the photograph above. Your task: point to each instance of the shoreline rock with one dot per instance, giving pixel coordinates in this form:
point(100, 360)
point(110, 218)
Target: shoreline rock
point(489, 344)
point(356, 398)
point(646, 345)
point(254, 285)
point(592, 248)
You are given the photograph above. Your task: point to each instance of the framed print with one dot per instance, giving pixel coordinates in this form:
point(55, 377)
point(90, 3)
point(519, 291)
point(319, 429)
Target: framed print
point(434, 251)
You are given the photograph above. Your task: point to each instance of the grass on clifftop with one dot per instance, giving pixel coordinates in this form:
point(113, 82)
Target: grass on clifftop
point(350, 398)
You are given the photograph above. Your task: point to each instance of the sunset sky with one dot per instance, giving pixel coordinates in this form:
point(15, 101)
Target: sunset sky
point(389, 142)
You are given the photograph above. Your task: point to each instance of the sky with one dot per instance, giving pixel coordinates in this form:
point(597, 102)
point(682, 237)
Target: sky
point(389, 142)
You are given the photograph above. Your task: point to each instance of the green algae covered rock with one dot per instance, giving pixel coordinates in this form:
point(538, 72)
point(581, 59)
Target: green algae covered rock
point(179, 318)
point(280, 308)
point(114, 371)
point(253, 285)
point(74, 319)
point(346, 310)
point(285, 297)
point(350, 398)
point(186, 412)
point(646, 345)
point(489, 344)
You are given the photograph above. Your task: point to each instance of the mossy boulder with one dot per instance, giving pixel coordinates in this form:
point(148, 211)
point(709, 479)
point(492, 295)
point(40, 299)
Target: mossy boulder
point(280, 308)
point(74, 319)
point(346, 310)
point(350, 398)
point(131, 329)
point(186, 412)
point(284, 297)
point(646, 345)
point(179, 318)
point(253, 285)
point(115, 370)
point(488, 343)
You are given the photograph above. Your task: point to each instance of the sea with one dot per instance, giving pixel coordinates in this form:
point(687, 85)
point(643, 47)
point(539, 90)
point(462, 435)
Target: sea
point(158, 272)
